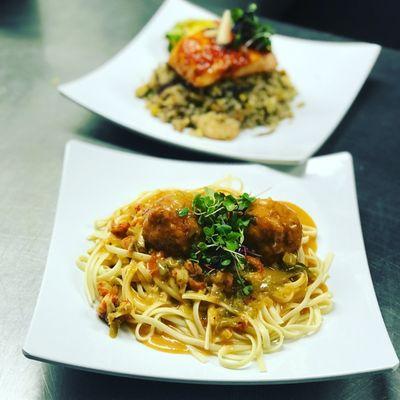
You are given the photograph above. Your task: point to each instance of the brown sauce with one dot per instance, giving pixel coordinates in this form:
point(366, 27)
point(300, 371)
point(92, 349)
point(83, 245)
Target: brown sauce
point(276, 278)
point(167, 344)
point(305, 219)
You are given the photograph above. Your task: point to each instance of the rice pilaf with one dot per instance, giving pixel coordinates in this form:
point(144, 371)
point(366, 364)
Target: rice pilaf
point(221, 110)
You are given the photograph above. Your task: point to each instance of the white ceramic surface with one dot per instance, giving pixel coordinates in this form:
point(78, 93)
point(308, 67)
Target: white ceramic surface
point(95, 181)
point(328, 76)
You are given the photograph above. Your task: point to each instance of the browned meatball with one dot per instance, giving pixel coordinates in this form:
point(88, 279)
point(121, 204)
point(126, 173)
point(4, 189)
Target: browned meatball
point(165, 230)
point(273, 230)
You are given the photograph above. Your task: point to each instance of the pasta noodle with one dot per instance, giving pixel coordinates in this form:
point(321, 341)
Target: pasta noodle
point(131, 286)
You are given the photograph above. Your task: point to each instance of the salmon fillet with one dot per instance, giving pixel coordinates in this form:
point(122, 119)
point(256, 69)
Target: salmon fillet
point(202, 62)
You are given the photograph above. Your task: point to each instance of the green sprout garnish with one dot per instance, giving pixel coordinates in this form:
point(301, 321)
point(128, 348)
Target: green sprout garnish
point(183, 212)
point(223, 221)
point(249, 31)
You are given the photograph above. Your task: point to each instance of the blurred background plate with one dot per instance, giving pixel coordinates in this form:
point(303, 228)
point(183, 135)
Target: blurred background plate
point(328, 76)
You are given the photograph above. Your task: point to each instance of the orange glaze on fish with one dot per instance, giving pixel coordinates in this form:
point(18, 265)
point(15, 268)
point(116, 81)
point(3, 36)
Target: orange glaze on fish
point(202, 62)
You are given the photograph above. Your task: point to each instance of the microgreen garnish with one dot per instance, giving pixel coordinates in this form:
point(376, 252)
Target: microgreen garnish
point(249, 31)
point(183, 212)
point(247, 290)
point(223, 221)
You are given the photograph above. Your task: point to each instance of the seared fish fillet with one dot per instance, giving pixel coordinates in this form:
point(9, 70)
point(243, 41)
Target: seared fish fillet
point(202, 62)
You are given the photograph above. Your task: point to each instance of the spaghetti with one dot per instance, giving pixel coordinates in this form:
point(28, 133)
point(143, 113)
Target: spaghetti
point(159, 283)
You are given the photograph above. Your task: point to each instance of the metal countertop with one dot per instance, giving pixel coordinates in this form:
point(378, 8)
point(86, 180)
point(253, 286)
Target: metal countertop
point(45, 42)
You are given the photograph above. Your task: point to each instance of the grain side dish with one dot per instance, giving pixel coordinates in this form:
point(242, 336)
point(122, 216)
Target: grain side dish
point(221, 77)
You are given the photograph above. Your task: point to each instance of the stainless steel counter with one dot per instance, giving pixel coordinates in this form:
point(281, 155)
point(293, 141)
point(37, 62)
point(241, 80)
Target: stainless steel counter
point(44, 42)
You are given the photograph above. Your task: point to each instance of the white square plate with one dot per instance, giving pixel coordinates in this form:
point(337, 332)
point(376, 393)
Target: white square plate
point(66, 330)
point(328, 76)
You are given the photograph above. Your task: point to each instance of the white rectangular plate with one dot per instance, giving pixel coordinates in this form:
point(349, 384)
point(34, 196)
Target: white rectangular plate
point(328, 76)
point(66, 330)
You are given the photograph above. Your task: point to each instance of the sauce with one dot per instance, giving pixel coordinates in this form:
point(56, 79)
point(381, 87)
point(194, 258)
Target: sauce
point(169, 197)
point(167, 344)
point(275, 278)
point(305, 219)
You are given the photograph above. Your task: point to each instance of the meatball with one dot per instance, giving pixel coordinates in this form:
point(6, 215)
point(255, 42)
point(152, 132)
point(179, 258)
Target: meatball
point(164, 230)
point(274, 229)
